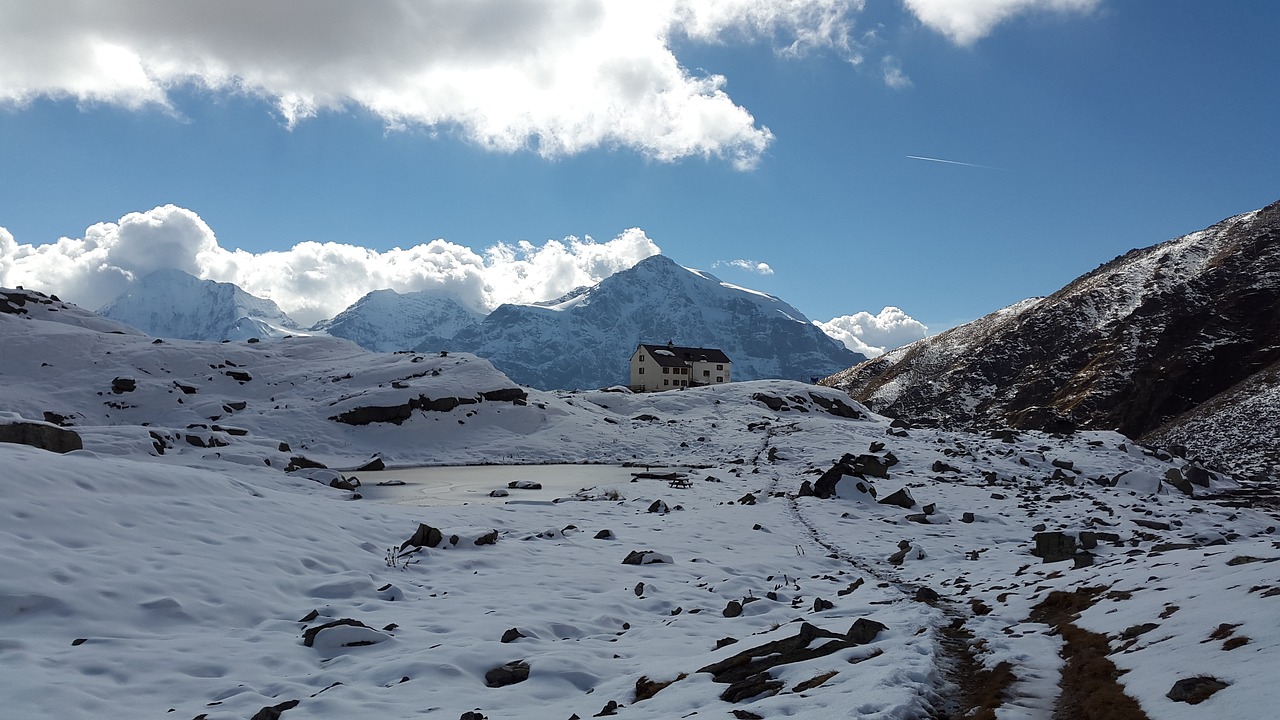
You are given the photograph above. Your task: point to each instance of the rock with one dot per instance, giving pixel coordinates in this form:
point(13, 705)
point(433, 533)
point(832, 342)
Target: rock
point(512, 635)
point(604, 535)
point(1083, 559)
point(1197, 475)
point(750, 687)
point(508, 674)
point(424, 536)
point(639, 589)
point(1054, 546)
point(344, 483)
point(273, 712)
point(806, 489)
point(524, 485)
point(1064, 464)
point(610, 708)
point(239, 375)
point(1195, 690)
point(373, 465)
point(941, 467)
point(1151, 524)
point(902, 498)
point(926, 594)
point(1173, 476)
point(344, 632)
point(42, 435)
point(747, 499)
point(967, 517)
point(906, 550)
point(659, 507)
point(773, 403)
point(864, 631)
point(1134, 631)
point(872, 465)
point(122, 385)
point(489, 538)
point(499, 493)
point(645, 557)
point(732, 610)
point(820, 605)
point(472, 715)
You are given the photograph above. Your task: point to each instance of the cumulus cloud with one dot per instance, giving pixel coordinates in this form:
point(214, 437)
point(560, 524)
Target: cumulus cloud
point(967, 21)
point(874, 335)
point(555, 76)
point(750, 266)
point(311, 280)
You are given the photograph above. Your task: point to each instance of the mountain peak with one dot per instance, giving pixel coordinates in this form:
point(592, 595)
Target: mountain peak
point(172, 303)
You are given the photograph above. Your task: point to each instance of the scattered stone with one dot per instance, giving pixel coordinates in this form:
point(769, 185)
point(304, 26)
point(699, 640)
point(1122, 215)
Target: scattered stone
point(499, 493)
point(941, 467)
point(747, 499)
point(926, 594)
point(1195, 690)
point(472, 715)
point(659, 507)
point(1064, 464)
point(820, 605)
point(967, 517)
point(610, 708)
point(733, 609)
point(489, 538)
point(1134, 631)
point(508, 674)
point(122, 385)
point(524, 485)
point(1151, 524)
point(342, 483)
point(512, 635)
point(604, 535)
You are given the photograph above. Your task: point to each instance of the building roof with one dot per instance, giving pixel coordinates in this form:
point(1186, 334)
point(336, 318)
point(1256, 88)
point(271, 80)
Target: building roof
point(678, 356)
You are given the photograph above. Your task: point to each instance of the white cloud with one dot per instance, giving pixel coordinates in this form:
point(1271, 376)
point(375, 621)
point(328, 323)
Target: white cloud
point(967, 21)
point(556, 76)
point(311, 280)
point(874, 335)
point(894, 76)
point(750, 266)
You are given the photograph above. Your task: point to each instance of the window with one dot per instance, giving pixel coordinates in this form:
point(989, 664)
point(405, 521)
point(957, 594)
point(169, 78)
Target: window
point(666, 382)
point(719, 378)
point(666, 371)
point(706, 373)
point(718, 367)
point(641, 358)
point(641, 371)
point(684, 371)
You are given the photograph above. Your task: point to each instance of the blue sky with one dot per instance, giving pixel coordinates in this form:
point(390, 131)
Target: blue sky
point(1091, 127)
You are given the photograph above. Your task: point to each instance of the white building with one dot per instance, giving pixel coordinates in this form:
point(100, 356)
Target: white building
point(667, 367)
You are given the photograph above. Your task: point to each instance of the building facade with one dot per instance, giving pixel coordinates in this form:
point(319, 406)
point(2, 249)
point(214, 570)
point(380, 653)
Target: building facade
point(669, 367)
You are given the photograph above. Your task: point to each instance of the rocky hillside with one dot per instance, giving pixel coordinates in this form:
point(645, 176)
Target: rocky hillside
point(1177, 343)
point(584, 340)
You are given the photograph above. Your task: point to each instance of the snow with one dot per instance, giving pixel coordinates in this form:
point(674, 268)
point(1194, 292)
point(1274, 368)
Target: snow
point(179, 581)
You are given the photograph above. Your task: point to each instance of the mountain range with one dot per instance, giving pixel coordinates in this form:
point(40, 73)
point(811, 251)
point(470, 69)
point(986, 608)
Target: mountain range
point(581, 340)
point(1177, 344)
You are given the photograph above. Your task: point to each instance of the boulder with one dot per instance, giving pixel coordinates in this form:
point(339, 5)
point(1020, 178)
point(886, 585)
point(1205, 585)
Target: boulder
point(373, 465)
point(273, 712)
point(1054, 546)
point(424, 536)
point(645, 557)
point(123, 385)
point(902, 498)
point(42, 435)
point(344, 632)
point(507, 674)
point(1195, 690)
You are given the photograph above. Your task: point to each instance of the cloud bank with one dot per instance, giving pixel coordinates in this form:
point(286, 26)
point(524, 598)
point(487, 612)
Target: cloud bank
point(554, 76)
point(874, 335)
point(751, 266)
point(310, 281)
point(965, 22)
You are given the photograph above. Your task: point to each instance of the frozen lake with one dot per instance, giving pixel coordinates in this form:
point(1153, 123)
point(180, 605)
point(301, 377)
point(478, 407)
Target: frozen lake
point(471, 484)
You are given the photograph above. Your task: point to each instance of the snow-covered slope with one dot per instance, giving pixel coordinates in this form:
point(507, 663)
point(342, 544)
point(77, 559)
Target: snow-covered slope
point(170, 303)
point(585, 339)
point(171, 567)
point(31, 305)
point(1143, 344)
point(386, 321)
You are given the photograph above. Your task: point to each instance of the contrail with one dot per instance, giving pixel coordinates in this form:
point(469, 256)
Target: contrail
point(952, 162)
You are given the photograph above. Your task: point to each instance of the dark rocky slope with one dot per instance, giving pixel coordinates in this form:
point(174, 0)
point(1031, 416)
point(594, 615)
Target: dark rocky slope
point(1175, 343)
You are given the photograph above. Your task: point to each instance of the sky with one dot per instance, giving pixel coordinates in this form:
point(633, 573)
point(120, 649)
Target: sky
point(938, 158)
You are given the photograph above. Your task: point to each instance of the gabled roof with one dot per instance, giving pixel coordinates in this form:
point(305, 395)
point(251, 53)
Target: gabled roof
point(678, 356)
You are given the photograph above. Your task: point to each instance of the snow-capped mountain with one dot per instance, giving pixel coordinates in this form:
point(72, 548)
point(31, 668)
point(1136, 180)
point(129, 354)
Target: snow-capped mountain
point(170, 303)
point(386, 320)
point(1176, 343)
point(584, 340)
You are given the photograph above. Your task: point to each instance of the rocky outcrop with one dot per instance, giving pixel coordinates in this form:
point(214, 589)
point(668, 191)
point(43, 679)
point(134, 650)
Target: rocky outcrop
point(397, 414)
point(43, 435)
point(1172, 343)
